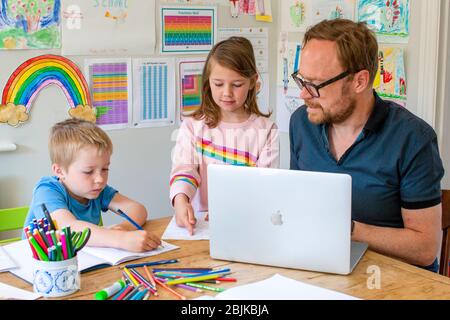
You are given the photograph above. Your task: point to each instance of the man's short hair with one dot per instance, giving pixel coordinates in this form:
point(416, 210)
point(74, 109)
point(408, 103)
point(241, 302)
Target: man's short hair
point(69, 136)
point(357, 45)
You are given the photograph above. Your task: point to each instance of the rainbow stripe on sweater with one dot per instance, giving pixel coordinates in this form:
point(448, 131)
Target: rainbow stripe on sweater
point(229, 156)
point(185, 178)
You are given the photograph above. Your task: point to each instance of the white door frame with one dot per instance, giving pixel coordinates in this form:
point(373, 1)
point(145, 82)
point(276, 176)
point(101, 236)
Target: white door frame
point(443, 88)
point(429, 61)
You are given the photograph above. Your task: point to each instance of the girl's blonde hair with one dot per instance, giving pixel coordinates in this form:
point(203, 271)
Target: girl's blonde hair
point(235, 53)
point(69, 136)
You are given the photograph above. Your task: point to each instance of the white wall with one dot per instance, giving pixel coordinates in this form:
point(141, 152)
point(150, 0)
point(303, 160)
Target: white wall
point(141, 160)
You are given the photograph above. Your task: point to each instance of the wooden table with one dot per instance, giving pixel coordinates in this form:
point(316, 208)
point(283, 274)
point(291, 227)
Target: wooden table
point(398, 280)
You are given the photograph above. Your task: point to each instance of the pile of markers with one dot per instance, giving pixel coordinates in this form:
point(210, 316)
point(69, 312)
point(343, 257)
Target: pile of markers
point(50, 244)
point(136, 285)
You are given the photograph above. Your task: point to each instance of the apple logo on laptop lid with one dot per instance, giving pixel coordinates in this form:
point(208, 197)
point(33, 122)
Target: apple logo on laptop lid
point(277, 218)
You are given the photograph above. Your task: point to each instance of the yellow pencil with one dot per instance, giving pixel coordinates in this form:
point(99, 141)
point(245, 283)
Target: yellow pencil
point(193, 279)
point(135, 282)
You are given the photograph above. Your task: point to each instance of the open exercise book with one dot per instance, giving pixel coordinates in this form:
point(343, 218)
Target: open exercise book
point(89, 258)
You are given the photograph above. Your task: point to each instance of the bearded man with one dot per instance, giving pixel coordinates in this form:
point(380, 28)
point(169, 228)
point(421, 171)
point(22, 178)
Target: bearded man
point(391, 154)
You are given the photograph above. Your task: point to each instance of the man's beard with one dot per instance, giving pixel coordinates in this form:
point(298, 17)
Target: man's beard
point(345, 108)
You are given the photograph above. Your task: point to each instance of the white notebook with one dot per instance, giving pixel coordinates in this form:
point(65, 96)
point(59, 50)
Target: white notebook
point(89, 258)
point(278, 288)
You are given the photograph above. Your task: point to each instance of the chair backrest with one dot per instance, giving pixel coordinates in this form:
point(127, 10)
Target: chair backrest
point(12, 219)
point(445, 251)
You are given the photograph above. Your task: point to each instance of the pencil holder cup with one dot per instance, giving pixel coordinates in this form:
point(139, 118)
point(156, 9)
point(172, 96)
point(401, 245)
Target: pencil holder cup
point(56, 278)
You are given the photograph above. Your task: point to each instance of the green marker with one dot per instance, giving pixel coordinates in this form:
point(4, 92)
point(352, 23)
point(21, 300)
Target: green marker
point(202, 286)
point(110, 291)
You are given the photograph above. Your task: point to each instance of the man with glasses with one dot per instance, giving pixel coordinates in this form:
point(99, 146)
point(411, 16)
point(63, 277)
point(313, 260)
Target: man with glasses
point(392, 155)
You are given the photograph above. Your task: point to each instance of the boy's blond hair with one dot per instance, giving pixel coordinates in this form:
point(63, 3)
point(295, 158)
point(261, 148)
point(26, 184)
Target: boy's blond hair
point(69, 136)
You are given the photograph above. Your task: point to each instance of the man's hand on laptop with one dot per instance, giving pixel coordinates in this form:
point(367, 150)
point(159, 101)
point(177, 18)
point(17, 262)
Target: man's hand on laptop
point(184, 213)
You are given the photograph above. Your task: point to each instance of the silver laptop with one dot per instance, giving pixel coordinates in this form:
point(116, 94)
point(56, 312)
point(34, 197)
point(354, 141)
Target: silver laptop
point(283, 218)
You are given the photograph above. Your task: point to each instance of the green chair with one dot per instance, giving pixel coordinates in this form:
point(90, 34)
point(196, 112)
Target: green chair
point(12, 219)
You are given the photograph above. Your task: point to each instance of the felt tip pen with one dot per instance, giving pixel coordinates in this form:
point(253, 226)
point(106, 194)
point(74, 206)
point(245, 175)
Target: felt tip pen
point(110, 291)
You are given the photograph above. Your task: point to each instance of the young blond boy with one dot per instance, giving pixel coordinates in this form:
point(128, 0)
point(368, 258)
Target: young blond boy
point(77, 193)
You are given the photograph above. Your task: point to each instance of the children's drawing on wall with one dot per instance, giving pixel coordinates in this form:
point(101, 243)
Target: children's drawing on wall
point(263, 11)
point(110, 81)
point(247, 7)
point(154, 92)
point(288, 63)
point(298, 15)
point(95, 27)
point(390, 81)
point(334, 9)
point(30, 24)
point(188, 29)
point(190, 84)
point(388, 18)
point(34, 75)
point(287, 102)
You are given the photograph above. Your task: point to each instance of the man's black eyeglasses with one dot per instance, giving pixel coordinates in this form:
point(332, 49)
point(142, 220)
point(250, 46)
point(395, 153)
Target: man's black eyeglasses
point(312, 88)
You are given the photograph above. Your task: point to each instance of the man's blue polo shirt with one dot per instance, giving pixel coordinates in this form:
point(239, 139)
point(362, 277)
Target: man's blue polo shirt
point(394, 163)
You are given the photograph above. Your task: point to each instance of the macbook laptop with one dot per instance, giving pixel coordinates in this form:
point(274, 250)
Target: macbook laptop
point(283, 218)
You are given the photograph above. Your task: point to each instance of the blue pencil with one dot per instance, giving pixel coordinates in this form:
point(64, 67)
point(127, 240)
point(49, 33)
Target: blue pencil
point(154, 263)
point(124, 215)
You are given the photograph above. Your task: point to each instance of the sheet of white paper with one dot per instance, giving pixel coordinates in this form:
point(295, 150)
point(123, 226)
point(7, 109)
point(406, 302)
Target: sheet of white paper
point(6, 263)
point(281, 288)
point(9, 292)
point(20, 252)
point(201, 230)
point(287, 102)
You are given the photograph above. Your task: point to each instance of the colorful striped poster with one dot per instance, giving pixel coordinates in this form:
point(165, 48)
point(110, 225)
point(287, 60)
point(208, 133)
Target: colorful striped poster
point(154, 91)
point(188, 30)
point(110, 83)
point(190, 73)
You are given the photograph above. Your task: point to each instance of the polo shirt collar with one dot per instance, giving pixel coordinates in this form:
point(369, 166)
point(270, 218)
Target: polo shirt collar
point(379, 114)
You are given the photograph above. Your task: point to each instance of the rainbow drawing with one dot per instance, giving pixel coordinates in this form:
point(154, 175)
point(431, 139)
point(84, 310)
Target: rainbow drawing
point(191, 93)
point(32, 76)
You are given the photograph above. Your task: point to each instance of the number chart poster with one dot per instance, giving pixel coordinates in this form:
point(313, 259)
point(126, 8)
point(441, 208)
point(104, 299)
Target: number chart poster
point(110, 81)
point(154, 92)
point(30, 24)
point(100, 27)
point(188, 30)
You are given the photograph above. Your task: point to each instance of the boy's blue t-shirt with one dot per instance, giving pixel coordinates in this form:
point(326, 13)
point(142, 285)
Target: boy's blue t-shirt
point(51, 191)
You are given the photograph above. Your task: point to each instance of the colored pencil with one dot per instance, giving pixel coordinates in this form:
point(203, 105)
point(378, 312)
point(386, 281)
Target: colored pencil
point(205, 287)
point(179, 296)
point(193, 279)
point(154, 263)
